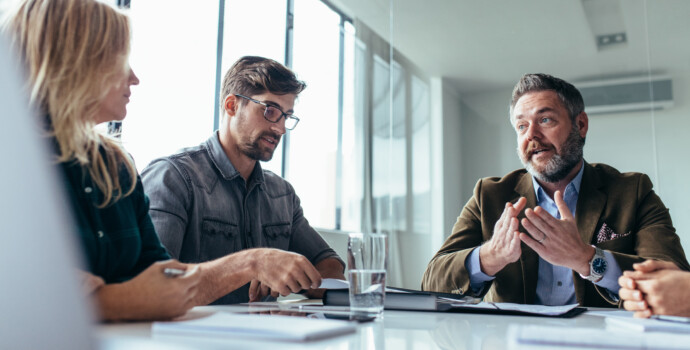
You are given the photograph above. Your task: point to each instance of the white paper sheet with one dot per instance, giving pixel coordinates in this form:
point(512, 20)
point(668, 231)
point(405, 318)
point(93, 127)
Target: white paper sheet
point(273, 327)
point(333, 283)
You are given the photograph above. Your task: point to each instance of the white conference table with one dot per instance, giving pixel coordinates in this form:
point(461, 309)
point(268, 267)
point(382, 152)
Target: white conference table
point(396, 330)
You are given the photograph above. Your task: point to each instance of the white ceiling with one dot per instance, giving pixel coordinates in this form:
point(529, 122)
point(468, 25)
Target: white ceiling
point(487, 45)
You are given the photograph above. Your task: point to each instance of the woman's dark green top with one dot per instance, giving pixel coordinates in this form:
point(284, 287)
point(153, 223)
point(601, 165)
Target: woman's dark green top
point(119, 240)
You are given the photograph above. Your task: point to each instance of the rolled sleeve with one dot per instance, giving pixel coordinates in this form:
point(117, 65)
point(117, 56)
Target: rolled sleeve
point(306, 241)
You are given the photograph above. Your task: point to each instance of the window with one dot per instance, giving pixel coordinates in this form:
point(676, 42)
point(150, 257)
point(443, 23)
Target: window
point(173, 105)
point(314, 144)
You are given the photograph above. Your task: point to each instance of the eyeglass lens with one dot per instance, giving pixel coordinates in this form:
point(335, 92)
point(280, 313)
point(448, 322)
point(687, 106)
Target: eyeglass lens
point(273, 115)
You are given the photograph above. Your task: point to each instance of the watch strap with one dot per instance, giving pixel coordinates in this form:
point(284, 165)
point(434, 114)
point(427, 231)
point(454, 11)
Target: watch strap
point(593, 275)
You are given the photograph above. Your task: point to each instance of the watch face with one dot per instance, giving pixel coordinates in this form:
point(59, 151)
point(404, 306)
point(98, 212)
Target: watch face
point(599, 266)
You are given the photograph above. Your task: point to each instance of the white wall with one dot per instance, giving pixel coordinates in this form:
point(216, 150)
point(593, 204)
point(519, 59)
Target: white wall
point(453, 158)
point(624, 141)
point(488, 140)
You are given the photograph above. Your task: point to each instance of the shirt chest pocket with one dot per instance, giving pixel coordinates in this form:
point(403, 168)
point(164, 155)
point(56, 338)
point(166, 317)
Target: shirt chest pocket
point(277, 235)
point(218, 239)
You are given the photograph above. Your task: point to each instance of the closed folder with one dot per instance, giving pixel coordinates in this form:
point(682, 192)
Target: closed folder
point(404, 299)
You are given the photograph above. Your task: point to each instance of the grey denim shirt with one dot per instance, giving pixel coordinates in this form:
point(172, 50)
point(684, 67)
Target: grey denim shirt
point(203, 210)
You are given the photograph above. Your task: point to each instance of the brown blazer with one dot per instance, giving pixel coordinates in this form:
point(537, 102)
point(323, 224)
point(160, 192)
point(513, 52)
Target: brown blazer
point(624, 202)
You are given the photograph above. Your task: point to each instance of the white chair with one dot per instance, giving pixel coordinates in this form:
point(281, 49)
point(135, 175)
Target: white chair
point(41, 305)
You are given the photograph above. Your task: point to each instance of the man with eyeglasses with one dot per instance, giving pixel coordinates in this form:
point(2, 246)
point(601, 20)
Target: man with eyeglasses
point(214, 199)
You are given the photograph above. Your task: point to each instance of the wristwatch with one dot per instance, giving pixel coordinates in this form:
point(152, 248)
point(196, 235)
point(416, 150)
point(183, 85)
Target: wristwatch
point(597, 266)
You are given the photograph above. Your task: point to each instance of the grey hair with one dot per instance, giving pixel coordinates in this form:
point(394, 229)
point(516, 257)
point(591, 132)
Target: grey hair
point(567, 93)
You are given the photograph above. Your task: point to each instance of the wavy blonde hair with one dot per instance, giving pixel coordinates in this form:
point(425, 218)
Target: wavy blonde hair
point(72, 51)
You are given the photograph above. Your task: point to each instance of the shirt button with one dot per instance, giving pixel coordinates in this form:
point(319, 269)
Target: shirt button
point(559, 283)
point(100, 234)
point(88, 189)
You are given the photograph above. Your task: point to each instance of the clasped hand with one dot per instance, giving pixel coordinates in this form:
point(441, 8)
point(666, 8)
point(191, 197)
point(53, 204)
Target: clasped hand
point(655, 287)
point(557, 241)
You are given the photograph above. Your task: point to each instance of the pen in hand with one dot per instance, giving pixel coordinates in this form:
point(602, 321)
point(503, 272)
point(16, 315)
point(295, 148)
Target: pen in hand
point(171, 272)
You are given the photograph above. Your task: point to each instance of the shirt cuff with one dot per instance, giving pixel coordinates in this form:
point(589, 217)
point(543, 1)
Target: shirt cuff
point(613, 272)
point(477, 277)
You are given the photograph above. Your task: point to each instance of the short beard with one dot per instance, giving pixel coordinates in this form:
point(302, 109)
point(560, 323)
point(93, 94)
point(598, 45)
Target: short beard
point(254, 153)
point(560, 165)
point(253, 150)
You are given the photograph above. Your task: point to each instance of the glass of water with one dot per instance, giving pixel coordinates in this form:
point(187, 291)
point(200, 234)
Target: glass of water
point(367, 256)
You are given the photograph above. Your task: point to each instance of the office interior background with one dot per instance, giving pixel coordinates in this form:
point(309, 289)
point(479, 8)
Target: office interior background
point(407, 101)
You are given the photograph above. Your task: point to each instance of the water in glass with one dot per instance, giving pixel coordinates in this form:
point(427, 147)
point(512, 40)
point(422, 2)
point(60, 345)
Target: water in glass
point(367, 291)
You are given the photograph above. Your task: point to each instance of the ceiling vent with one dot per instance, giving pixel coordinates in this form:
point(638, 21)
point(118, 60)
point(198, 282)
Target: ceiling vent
point(627, 94)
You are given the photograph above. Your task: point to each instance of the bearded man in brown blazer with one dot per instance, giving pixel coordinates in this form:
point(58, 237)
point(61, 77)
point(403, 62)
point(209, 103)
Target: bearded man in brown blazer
point(561, 230)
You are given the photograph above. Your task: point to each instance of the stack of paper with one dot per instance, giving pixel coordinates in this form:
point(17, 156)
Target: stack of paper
point(264, 327)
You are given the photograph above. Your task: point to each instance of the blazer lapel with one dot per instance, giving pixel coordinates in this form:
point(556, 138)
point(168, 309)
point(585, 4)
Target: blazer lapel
point(590, 204)
point(529, 260)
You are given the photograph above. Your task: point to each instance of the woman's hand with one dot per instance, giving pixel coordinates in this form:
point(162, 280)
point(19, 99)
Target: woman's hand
point(151, 295)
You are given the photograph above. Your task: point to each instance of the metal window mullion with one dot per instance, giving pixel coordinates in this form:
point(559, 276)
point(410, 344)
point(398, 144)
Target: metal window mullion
point(409, 138)
point(219, 63)
point(289, 26)
point(368, 200)
point(339, 151)
point(389, 172)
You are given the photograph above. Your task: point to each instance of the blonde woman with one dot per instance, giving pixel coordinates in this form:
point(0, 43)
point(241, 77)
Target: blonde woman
point(76, 57)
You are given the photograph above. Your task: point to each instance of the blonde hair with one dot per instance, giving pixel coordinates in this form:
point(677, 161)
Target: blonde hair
point(72, 51)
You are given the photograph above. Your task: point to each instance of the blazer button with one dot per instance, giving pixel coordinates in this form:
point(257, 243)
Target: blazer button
point(88, 189)
point(100, 234)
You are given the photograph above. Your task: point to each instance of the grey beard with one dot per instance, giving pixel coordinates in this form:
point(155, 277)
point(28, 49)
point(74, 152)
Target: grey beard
point(560, 165)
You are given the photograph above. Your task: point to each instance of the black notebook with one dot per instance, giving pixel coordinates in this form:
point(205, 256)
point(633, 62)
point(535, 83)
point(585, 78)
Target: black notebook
point(404, 299)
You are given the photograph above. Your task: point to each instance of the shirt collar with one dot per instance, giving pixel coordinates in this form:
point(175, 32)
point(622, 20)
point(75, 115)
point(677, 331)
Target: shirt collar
point(574, 185)
point(223, 163)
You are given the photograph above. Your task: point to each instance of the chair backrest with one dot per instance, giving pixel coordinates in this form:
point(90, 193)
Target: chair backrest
point(41, 304)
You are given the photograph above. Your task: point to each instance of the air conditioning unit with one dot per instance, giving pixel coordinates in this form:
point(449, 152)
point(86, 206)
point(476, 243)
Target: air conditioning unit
point(641, 93)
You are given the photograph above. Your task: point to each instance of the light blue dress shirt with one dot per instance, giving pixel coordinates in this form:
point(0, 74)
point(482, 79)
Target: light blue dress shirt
point(554, 283)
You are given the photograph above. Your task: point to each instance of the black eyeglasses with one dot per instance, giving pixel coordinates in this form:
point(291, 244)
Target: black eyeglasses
point(273, 114)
